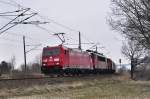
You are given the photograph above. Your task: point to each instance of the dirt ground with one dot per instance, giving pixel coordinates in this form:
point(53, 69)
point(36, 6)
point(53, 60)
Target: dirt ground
point(89, 87)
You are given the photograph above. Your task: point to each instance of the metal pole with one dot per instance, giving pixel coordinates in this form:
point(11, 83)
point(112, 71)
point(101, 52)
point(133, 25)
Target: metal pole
point(79, 40)
point(24, 45)
point(120, 63)
point(96, 49)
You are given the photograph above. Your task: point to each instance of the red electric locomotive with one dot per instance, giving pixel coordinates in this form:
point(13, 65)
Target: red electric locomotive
point(101, 64)
point(60, 59)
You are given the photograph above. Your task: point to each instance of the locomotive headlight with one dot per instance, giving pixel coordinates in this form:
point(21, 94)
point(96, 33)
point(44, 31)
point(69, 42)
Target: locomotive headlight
point(56, 59)
point(50, 58)
point(45, 60)
point(57, 63)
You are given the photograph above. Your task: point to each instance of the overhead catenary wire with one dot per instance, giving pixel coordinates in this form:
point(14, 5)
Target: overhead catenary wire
point(4, 13)
point(71, 38)
point(66, 27)
point(20, 35)
point(11, 40)
point(28, 38)
point(14, 19)
point(16, 11)
point(16, 15)
point(15, 3)
point(8, 3)
point(36, 42)
point(6, 17)
point(44, 17)
point(62, 25)
point(78, 44)
point(51, 21)
point(17, 24)
point(47, 30)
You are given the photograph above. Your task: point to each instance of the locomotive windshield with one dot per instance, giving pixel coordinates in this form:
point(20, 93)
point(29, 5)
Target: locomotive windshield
point(51, 52)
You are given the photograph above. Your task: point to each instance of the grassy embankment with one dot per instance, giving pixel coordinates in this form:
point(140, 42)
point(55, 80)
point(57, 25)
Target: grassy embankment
point(99, 87)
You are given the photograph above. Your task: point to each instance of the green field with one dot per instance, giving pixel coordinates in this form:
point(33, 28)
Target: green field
point(99, 87)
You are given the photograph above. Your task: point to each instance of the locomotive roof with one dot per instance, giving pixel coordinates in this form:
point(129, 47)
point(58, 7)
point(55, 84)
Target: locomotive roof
point(66, 48)
point(94, 52)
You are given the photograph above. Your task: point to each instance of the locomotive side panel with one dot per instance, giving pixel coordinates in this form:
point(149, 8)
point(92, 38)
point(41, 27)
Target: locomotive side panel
point(81, 60)
point(66, 59)
point(101, 63)
point(110, 64)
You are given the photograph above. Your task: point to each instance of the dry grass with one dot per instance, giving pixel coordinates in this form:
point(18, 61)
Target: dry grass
point(99, 87)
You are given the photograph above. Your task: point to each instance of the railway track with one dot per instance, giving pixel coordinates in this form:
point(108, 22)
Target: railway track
point(33, 81)
point(29, 81)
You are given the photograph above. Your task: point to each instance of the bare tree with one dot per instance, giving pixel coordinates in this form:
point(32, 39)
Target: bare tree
point(13, 62)
point(33, 67)
point(36, 66)
point(38, 59)
point(27, 69)
point(132, 51)
point(5, 67)
point(132, 19)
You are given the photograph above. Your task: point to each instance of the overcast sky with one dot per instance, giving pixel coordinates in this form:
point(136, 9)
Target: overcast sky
point(87, 16)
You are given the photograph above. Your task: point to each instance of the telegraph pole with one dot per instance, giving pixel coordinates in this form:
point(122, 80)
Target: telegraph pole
point(96, 49)
point(27, 51)
point(79, 40)
point(24, 45)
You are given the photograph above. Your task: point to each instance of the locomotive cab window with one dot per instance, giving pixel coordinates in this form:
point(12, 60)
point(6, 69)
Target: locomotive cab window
point(48, 52)
point(101, 59)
